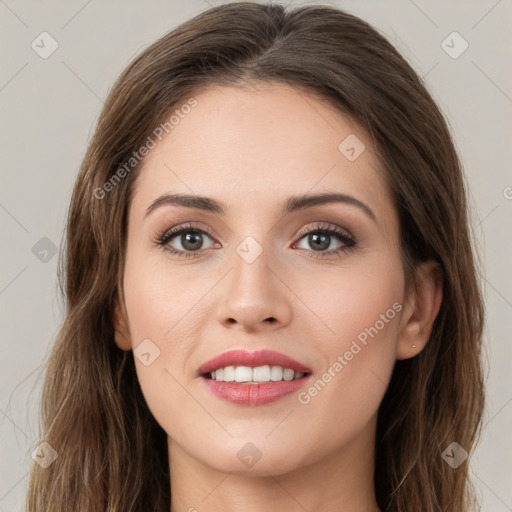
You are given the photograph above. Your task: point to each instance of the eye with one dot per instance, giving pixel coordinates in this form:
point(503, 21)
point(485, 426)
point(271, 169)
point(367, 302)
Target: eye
point(321, 238)
point(189, 239)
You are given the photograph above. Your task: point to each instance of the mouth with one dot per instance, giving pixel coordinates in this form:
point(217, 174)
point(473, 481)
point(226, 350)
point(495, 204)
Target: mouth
point(254, 375)
point(244, 378)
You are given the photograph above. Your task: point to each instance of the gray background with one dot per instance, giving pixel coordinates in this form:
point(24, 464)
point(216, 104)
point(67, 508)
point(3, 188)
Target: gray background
point(48, 111)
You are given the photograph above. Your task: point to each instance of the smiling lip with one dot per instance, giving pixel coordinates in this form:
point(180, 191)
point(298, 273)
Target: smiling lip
point(240, 393)
point(253, 394)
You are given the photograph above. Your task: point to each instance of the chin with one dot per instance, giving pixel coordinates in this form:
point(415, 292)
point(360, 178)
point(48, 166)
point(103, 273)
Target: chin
point(249, 460)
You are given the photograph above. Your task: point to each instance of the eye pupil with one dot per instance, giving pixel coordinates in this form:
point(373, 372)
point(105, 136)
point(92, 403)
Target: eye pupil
point(313, 239)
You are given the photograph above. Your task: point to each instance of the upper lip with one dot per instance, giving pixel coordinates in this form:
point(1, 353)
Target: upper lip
point(252, 359)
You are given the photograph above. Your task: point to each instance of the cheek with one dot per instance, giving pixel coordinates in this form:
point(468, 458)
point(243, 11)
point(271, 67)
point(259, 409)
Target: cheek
point(160, 330)
point(160, 302)
point(360, 313)
point(352, 301)
point(357, 314)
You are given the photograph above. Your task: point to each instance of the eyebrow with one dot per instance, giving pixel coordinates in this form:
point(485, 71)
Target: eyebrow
point(293, 204)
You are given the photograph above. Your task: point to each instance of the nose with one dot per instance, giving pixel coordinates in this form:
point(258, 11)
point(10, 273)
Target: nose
point(254, 296)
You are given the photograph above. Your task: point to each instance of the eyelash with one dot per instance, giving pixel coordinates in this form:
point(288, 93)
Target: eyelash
point(349, 242)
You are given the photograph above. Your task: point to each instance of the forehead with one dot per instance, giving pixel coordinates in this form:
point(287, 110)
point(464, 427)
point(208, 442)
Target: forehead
point(255, 147)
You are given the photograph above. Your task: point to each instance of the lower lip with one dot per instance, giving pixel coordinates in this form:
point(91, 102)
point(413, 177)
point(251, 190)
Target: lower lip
point(254, 394)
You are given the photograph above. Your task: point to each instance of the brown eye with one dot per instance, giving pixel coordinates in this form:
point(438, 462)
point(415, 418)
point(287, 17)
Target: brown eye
point(185, 241)
point(191, 240)
point(319, 240)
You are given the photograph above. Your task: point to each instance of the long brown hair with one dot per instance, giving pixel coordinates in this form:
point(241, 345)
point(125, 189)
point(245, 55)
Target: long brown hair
point(112, 454)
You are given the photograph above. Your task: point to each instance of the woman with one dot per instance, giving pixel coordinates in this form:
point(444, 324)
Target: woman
point(271, 291)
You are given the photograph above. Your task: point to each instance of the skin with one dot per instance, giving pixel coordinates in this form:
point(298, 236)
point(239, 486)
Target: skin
point(252, 148)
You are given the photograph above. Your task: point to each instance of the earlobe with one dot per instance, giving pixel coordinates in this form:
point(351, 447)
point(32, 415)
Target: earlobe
point(421, 311)
point(122, 333)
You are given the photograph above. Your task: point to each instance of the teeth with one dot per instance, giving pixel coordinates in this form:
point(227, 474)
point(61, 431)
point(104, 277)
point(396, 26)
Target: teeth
point(243, 374)
point(259, 374)
point(288, 374)
point(229, 374)
point(276, 373)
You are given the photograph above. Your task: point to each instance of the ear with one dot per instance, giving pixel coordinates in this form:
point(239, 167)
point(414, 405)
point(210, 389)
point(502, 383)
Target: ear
point(422, 307)
point(122, 332)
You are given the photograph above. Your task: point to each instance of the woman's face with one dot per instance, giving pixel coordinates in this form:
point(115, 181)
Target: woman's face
point(262, 275)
